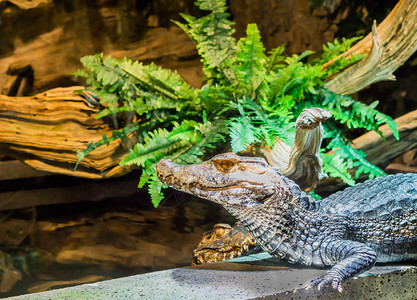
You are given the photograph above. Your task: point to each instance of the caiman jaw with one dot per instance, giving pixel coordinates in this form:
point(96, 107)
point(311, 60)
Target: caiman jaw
point(209, 181)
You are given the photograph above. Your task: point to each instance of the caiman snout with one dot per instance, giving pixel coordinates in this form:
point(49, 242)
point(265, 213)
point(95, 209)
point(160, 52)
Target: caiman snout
point(168, 171)
point(164, 168)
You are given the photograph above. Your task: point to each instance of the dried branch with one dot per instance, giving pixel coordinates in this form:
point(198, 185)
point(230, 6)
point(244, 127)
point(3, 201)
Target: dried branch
point(389, 46)
point(301, 162)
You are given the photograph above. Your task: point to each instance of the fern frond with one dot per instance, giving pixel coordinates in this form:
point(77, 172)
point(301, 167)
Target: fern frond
point(212, 35)
point(354, 157)
point(117, 134)
point(241, 134)
point(215, 6)
point(163, 143)
point(155, 187)
point(295, 79)
point(213, 135)
point(168, 83)
point(275, 59)
point(254, 125)
point(342, 63)
point(156, 145)
point(354, 113)
point(336, 166)
point(332, 50)
point(105, 77)
point(281, 107)
point(251, 62)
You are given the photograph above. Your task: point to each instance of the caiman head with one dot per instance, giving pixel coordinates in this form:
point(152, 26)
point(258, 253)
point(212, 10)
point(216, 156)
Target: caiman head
point(228, 179)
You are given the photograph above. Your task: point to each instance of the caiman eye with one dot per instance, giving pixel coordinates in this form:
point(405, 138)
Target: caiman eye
point(224, 165)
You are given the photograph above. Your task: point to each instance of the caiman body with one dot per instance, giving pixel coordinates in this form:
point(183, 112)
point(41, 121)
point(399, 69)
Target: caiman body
point(349, 230)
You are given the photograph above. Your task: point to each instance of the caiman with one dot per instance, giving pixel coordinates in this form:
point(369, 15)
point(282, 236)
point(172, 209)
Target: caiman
point(351, 230)
point(223, 242)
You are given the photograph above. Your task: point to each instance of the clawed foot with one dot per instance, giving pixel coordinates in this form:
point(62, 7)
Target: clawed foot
point(328, 281)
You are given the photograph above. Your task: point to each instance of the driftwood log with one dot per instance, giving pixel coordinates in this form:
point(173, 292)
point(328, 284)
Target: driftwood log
point(388, 46)
point(168, 47)
point(28, 4)
point(45, 131)
point(301, 162)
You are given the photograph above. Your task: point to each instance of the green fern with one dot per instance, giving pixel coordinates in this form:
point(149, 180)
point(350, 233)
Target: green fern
point(155, 189)
point(117, 134)
point(212, 35)
point(336, 166)
point(185, 143)
point(255, 125)
point(332, 50)
point(354, 113)
point(275, 59)
point(251, 62)
point(241, 133)
point(161, 142)
point(248, 97)
point(354, 158)
point(295, 79)
point(213, 135)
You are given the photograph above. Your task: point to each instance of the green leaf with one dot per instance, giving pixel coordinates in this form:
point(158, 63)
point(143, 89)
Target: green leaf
point(354, 113)
point(332, 50)
point(164, 81)
point(275, 58)
point(251, 62)
point(117, 134)
point(241, 134)
point(354, 157)
point(216, 6)
point(336, 166)
point(155, 190)
point(212, 35)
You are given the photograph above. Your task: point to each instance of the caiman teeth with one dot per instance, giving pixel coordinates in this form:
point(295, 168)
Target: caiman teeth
point(174, 182)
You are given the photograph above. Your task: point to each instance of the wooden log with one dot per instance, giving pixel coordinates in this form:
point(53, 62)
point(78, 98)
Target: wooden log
point(28, 4)
point(389, 45)
point(168, 47)
point(46, 131)
point(380, 152)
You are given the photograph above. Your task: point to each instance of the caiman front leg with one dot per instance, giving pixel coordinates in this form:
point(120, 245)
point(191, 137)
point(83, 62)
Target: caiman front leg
point(351, 258)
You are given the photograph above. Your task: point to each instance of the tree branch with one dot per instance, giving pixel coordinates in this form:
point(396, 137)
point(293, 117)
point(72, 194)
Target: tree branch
point(389, 46)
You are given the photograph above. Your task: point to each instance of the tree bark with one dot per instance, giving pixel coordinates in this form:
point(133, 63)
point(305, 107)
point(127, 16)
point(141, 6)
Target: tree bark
point(380, 152)
point(389, 45)
point(46, 131)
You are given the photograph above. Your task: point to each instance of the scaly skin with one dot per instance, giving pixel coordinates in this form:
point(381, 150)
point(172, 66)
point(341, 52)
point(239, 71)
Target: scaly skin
point(350, 230)
point(221, 243)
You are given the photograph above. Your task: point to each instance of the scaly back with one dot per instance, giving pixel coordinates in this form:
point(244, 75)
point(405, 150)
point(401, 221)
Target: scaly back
point(394, 195)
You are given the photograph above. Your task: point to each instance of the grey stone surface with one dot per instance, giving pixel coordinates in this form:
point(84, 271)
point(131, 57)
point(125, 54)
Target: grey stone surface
point(253, 277)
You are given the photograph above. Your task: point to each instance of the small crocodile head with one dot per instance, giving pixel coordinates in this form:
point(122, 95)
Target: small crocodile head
point(228, 179)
